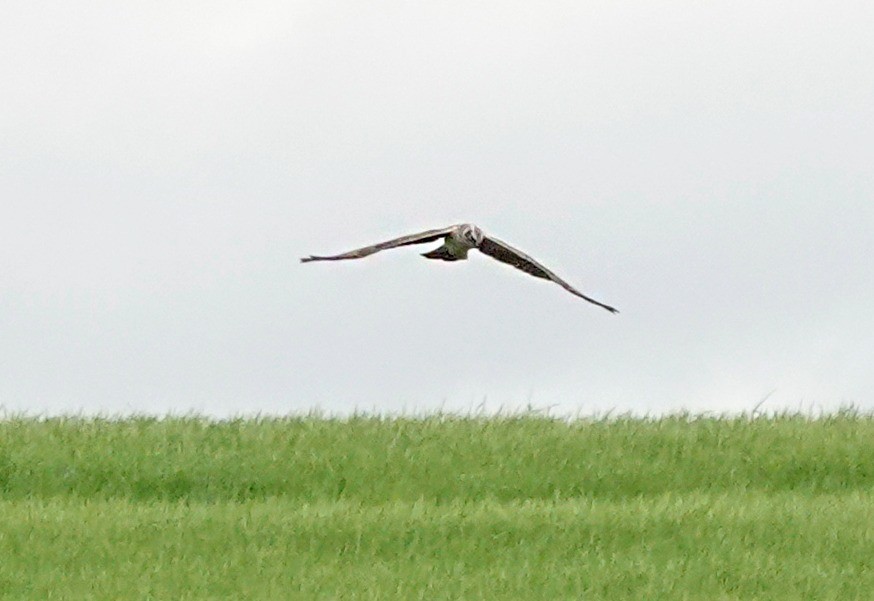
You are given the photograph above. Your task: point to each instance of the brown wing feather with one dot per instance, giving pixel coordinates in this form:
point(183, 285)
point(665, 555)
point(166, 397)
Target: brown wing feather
point(505, 253)
point(420, 238)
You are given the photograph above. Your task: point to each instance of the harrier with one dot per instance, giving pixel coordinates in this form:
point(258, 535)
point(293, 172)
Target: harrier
point(457, 241)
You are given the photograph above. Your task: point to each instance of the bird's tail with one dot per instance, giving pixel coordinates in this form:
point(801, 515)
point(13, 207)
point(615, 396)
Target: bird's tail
point(441, 253)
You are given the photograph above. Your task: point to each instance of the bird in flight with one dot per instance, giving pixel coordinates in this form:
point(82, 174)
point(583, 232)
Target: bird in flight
point(457, 241)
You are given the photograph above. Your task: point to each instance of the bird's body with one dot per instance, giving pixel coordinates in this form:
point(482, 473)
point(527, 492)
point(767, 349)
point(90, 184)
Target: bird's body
point(458, 240)
point(457, 244)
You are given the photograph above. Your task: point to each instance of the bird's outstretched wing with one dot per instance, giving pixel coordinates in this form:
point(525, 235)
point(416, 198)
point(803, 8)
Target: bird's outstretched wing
point(502, 251)
point(420, 238)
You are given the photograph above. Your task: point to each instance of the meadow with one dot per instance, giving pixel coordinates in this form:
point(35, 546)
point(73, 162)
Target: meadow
point(439, 507)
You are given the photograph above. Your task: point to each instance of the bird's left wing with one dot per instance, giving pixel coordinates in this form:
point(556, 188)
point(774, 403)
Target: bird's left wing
point(505, 253)
point(420, 238)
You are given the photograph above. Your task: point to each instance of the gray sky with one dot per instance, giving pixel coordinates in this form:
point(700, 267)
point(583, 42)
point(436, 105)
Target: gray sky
point(704, 167)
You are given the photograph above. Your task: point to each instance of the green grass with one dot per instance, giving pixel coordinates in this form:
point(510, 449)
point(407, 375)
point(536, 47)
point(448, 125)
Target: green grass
point(437, 508)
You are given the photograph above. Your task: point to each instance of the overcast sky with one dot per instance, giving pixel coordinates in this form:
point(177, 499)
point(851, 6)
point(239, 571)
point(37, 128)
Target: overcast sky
point(707, 168)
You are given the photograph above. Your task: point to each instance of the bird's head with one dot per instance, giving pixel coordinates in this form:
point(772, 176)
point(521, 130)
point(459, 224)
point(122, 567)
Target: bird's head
point(472, 234)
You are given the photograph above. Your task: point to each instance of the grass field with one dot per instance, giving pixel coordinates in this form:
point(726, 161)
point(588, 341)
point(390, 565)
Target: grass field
point(437, 508)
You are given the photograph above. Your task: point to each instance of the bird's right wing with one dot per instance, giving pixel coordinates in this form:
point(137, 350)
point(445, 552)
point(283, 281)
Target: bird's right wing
point(358, 253)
